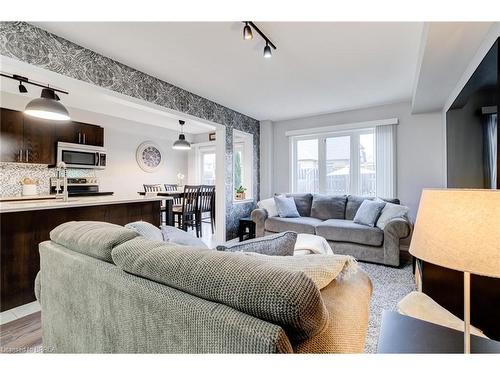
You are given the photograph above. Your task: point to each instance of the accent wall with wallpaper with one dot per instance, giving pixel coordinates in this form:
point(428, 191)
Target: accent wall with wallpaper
point(25, 42)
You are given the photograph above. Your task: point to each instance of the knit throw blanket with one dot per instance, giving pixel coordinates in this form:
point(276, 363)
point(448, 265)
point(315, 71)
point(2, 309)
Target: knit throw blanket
point(321, 268)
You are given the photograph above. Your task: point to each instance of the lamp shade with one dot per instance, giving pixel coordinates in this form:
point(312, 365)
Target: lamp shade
point(459, 229)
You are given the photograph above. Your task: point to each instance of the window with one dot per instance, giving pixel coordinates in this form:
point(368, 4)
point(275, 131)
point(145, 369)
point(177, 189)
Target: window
point(335, 163)
point(242, 165)
point(207, 166)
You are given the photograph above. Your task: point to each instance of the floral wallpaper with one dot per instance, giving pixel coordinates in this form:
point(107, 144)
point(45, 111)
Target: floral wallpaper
point(25, 42)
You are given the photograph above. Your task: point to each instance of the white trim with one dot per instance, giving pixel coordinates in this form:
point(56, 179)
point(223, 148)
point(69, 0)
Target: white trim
point(340, 127)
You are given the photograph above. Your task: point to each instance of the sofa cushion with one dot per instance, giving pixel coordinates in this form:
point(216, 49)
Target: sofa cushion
point(326, 207)
point(286, 206)
point(249, 284)
point(368, 212)
point(269, 205)
point(348, 231)
point(296, 224)
point(303, 201)
point(354, 201)
point(179, 237)
point(275, 244)
point(392, 211)
point(92, 238)
point(146, 230)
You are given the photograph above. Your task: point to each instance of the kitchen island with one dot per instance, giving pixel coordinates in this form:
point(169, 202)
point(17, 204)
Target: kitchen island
point(26, 223)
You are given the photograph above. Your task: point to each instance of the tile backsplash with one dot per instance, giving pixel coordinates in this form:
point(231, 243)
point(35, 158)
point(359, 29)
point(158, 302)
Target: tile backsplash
point(12, 173)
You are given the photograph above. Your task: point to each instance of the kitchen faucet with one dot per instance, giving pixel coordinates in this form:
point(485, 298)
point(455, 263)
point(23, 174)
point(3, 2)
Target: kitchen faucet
point(61, 168)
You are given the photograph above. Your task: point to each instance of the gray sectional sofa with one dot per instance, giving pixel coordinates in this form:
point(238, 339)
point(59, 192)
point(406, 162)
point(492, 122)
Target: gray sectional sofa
point(331, 216)
point(105, 289)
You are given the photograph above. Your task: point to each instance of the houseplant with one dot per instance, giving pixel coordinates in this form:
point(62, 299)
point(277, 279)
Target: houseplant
point(240, 193)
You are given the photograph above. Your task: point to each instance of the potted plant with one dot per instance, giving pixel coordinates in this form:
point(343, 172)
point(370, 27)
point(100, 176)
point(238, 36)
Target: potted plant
point(240, 193)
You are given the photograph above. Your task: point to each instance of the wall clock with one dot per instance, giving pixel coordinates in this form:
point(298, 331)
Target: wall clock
point(149, 156)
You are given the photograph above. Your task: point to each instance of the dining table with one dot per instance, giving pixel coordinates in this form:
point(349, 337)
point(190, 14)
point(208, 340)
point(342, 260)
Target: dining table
point(170, 197)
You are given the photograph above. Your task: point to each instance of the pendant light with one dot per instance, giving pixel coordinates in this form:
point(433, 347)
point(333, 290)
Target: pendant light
point(181, 143)
point(47, 107)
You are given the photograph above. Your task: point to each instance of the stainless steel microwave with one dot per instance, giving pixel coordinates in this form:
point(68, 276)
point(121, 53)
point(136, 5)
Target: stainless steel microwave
point(76, 155)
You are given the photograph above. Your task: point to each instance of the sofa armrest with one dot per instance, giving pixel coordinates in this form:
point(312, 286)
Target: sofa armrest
point(259, 216)
point(394, 231)
point(38, 287)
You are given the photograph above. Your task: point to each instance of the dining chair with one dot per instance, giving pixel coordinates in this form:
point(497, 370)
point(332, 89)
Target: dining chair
point(174, 187)
point(206, 205)
point(187, 213)
point(157, 188)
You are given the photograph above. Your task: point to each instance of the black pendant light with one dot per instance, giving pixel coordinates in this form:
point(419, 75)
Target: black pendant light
point(181, 143)
point(47, 107)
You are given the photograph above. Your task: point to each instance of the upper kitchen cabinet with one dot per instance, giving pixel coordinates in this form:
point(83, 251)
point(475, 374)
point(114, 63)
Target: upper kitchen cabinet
point(25, 139)
point(11, 140)
point(39, 140)
point(79, 132)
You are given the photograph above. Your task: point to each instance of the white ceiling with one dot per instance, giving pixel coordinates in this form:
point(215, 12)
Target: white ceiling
point(446, 50)
point(317, 68)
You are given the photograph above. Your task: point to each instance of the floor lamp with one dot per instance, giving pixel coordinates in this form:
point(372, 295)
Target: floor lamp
point(459, 229)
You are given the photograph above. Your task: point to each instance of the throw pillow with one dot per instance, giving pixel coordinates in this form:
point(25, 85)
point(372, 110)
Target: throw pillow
point(269, 205)
point(146, 230)
point(392, 211)
point(326, 207)
point(286, 206)
point(275, 244)
point(368, 212)
point(177, 236)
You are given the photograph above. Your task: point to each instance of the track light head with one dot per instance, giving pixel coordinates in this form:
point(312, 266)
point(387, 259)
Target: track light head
point(182, 122)
point(247, 32)
point(22, 88)
point(267, 52)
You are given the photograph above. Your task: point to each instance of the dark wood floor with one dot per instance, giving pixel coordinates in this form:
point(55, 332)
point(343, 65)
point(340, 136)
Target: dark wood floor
point(23, 335)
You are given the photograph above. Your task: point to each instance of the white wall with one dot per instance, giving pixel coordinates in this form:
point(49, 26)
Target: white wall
point(266, 159)
point(420, 143)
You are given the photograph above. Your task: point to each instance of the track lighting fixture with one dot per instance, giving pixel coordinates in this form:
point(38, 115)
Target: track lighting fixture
point(267, 52)
point(47, 106)
point(247, 35)
point(22, 88)
point(181, 143)
point(247, 32)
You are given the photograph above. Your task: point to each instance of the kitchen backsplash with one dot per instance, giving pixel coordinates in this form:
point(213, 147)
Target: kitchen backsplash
point(12, 173)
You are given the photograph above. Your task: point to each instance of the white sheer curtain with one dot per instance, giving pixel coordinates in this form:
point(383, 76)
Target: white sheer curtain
point(490, 151)
point(385, 154)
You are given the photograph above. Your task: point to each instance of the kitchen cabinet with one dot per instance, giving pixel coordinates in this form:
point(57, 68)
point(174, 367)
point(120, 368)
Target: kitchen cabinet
point(25, 139)
point(11, 140)
point(79, 132)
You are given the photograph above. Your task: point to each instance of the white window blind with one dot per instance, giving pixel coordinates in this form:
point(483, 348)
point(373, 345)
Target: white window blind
point(385, 151)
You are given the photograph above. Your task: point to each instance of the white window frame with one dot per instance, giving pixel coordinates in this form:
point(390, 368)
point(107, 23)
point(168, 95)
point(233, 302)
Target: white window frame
point(322, 137)
point(199, 160)
point(244, 141)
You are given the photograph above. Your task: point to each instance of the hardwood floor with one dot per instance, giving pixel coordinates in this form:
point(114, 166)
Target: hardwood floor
point(23, 335)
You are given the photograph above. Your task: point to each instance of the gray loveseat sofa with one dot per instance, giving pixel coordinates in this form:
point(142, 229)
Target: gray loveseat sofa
point(332, 218)
point(105, 289)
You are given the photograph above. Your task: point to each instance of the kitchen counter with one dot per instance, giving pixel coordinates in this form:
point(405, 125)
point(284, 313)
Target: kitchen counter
point(55, 203)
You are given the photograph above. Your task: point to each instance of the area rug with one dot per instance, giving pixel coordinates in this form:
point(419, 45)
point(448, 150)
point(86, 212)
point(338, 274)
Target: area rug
point(390, 285)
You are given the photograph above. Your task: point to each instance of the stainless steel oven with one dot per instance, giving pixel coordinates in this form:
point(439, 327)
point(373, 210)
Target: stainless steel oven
point(81, 156)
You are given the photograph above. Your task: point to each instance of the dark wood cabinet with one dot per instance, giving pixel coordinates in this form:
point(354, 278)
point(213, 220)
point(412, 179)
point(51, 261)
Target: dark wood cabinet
point(26, 139)
point(11, 140)
point(79, 132)
point(39, 141)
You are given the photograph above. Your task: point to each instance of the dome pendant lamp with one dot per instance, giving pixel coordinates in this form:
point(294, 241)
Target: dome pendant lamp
point(181, 143)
